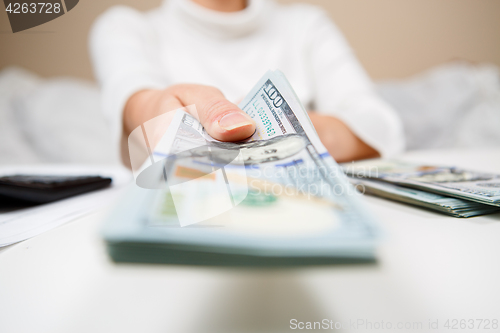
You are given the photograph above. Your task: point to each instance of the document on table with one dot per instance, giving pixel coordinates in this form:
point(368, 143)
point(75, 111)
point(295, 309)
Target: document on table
point(20, 224)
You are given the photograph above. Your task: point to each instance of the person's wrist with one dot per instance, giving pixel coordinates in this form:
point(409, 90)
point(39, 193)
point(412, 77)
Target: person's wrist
point(140, 108)
point(340, 141)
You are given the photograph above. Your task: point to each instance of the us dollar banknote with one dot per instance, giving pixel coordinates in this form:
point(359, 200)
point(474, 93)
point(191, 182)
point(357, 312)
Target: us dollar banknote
point(277, 194)
point(481, 187)
point(448, 205)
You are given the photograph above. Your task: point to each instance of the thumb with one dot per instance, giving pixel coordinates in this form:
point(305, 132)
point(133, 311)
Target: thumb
point(221, 119)
point(225, 121)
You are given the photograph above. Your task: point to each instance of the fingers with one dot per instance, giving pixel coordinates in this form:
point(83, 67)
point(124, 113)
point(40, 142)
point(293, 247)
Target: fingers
point(221, 119)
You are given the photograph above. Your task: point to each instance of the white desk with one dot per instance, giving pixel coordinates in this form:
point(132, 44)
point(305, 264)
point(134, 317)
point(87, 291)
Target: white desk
point(430, 267)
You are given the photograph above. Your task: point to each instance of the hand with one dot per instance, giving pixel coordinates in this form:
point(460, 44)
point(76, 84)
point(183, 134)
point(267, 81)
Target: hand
point(224, 121)
point(339, 140)
point(221, 119)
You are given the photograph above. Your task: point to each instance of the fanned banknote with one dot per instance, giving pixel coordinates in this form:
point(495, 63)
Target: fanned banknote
point(480, 187)
point(278, 198)
point(447, 205)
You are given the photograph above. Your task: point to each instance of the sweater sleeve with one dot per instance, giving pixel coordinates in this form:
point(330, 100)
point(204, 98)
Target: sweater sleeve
point(343, 89)
point(124, 52)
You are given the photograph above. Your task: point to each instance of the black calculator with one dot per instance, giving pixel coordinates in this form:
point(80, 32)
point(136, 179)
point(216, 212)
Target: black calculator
point(37, 189)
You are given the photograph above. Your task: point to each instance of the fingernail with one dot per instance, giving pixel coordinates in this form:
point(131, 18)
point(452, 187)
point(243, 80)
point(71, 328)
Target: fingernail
point(234, 120)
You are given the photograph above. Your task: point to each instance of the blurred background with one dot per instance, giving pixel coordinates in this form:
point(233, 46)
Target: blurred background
point(392, 38)
point(435, 61)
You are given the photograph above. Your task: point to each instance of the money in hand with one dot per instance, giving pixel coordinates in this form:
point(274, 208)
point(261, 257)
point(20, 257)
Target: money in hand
point(275, 198)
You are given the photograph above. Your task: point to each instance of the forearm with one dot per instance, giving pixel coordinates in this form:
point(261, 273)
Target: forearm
point(140, 107)
point(339, 140)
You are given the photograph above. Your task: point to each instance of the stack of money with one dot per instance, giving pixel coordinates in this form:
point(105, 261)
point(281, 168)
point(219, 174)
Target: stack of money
point(278, 198)
point(453, 191)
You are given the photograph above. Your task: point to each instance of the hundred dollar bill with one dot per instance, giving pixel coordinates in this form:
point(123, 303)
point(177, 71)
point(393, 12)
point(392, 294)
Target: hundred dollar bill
point(447, 205)
point(469, 185)
point(275, 198)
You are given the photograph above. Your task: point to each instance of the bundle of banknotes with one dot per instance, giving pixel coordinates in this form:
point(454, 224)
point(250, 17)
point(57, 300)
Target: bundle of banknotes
point(277, 198)
point(450, 190)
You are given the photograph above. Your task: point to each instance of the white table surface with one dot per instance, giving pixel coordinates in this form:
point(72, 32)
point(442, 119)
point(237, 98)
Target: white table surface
point(430, 267)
